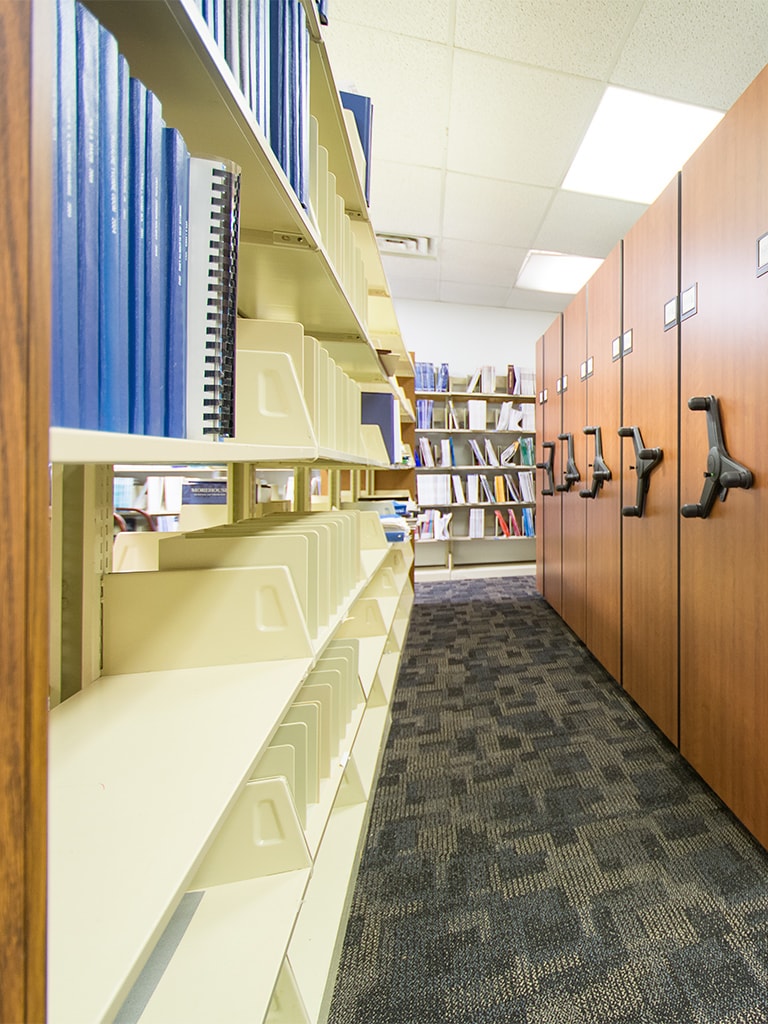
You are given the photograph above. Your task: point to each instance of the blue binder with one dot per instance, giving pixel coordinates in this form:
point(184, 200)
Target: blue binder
point(136, 251)
point(113, 357)
point(88, 215)
point(177, 186)
point(65, 385)
point(155, 269)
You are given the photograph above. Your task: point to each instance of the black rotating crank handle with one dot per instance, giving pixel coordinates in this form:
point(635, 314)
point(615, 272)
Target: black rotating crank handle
point(600, 472)
point(722, 471)
point(549, 467)
point(646, 460)
point(571, 474)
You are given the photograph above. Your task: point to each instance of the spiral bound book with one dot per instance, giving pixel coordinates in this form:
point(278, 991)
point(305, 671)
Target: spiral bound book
point(214, 219)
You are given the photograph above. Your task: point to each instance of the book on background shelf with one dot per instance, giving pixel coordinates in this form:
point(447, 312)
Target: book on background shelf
point(507, 455)
point(512, 491)
point(446, 452)
point(526, 485)
point(488, 379)
point(476, 414)
point(513, 524)
point(502, 420)
point(477, 453)
point(458, 489)
point(502, 523)
point(473, 488)
point(443, 378)
point(474, 380)
point(476, 523)
point(499, 488)
point(452, 419)
point(214, 223)
point(529, 526)
point(511, 379)
point(424, 376)
point(527, 451)
point(491, 457)
point(426, 452)
point(424, 413)
point(486, 488)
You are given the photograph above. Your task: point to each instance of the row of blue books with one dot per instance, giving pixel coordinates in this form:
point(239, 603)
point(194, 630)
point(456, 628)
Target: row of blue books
point(265, 43)
point(123, 317)
point(429, 379)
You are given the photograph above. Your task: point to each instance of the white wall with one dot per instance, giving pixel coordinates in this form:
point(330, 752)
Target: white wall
point(465, 337)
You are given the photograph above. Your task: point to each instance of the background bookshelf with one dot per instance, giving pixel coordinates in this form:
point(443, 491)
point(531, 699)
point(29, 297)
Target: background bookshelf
point(252, 663)
point(477, 498)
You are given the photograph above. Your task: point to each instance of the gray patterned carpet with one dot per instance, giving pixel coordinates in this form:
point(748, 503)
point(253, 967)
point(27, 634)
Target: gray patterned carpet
point(538, 852)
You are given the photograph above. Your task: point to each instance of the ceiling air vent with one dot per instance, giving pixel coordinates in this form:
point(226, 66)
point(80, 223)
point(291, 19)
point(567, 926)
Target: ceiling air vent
point(406, 245)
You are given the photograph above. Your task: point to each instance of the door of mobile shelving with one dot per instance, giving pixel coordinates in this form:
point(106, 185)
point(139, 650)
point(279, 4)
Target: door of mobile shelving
point(650, 488)
point(724, 549)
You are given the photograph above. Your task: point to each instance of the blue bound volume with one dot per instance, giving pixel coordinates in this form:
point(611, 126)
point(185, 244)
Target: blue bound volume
point(88, 215)
point(65, 396)
point(362, 108)
point(136, 250)
point(124, 295)
point(113, 376)
point(156, 262)
point(177, 184)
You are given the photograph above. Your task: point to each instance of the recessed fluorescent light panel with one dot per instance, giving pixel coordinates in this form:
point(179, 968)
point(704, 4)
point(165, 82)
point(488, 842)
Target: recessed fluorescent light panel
point(635, 145)
point(556, 272)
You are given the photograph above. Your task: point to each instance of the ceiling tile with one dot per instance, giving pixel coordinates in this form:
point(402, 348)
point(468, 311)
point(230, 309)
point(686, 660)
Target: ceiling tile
point(427, 19)
point(699, 51)
point(412, 277)
point(473, 294)
point(581, 37)
point(409, 81)
point(499, 212)
point(585, 225)
point(520, 298)
point(406, 198)
point(514, 122)
point(475, 263)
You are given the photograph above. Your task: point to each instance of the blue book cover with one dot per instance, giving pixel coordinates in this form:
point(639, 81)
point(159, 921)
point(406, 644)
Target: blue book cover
point(379, 407)
point(123, 231)
point(136, 251)
point(155, 270)
point(278, 88)
point(261, 50)
point(65, 385)
point(301, 102)
point(113, 377)
point(177, 187)
point(88, 215)
point(362, 108)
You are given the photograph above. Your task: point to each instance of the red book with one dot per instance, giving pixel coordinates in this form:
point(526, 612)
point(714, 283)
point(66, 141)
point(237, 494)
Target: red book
point(502, 524)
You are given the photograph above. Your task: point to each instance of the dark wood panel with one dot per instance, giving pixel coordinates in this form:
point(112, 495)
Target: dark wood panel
point(574, 507)
point(24, 288)
point(549, 507)
point(724, 558)
point(603, 555)
point(650, 557)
